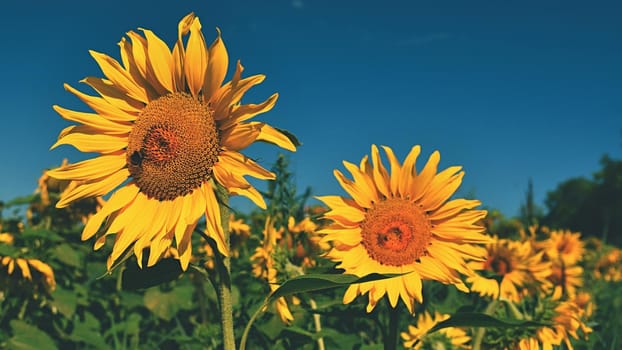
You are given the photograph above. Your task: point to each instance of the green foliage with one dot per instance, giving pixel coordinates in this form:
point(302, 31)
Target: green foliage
point(590, 206)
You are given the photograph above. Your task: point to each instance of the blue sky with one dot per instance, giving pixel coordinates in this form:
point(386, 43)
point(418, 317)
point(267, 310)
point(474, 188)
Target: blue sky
point(510, 91)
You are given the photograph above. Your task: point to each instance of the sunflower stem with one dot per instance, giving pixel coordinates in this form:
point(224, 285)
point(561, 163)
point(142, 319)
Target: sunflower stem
point(390, 342)
point(224, 280)
point(479, 332)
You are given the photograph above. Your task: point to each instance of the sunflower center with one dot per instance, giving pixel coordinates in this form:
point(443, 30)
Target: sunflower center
point(499, 265)
point(396, 232)
point(173, 146)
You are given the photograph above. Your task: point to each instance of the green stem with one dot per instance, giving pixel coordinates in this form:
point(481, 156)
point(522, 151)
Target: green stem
point(224, 280)
point(318, 324)
point(479, 333)
point(259, 311)
point(390, 342)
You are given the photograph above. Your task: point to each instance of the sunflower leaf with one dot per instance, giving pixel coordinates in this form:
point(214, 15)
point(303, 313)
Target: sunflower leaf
point(164, 271)
point(475, 319)
point(315, 282)
point(27, 337)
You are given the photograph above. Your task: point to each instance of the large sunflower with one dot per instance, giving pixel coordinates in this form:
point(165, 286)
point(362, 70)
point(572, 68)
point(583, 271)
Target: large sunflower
point(402, 222)
point(167, 132)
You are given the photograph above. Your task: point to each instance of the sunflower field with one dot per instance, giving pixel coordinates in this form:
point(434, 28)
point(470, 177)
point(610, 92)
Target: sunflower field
point(139, 247)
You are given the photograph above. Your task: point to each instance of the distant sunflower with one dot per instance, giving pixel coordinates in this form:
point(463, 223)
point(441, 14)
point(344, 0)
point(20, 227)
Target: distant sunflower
point(402, 222)
point(418, 337)
point(566, 277)
point(27, 266)
point(264, 267)
point(566, 319)
point(510, 267)
point(167, 131)
point(564, 245)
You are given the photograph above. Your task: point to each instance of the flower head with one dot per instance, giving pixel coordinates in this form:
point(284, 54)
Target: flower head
point(418, 336)
point(510, 268)
point(168, 131)
point(402, 222)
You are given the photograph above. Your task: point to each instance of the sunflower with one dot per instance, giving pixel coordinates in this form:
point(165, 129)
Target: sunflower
point(566, 319)
point(402, 223)
point(167, 132)
point(26, 268)
point(563, 245)
point(510, 267)
point(418, 337)
point(264, 267)
point(567, 278)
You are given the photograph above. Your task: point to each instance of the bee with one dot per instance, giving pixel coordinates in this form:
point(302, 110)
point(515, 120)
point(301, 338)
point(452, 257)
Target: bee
point(136, 159)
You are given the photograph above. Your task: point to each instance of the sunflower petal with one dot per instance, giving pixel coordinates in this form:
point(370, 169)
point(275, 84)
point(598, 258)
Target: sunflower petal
point(90, 168)
point(196, 59)
point(96, 187)
point(159, 60)
point(216, 69)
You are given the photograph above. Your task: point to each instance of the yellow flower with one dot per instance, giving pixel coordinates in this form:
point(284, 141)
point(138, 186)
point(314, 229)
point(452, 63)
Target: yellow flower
point(25, 265)
point(510, 267)
point(566, 321)
point(402, 222)
point(564, 245)
point(417, 336)
point(263, 267)
point(6, 238)
point(167, 132)
point(566, 277)
point(609, 266)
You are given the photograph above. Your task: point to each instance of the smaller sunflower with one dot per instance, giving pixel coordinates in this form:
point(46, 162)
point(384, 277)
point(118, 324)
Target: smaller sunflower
point(264, 267)
point(609, 266)
point(402, 222)
point(418, 337)
point(564, 245)
point(509, 268)
point(27, 266)
point(566, 322)
point(567, 278)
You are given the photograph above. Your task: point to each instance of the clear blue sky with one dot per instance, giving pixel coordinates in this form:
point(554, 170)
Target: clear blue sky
point(509, 90)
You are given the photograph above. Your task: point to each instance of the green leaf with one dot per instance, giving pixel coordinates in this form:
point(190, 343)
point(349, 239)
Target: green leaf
point(8, 250)
point(40, 233)
point(474, 319)
point(165, 270)
point(68, 255)
point(64, 301)
point(315, 282)
point(166, 304)
point(27, 337)
point(88, 332)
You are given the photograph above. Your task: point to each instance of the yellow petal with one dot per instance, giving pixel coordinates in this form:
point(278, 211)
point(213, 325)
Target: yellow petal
point(90, 168)
point(452, 208)
point(421, 182)
point(95, 121)
point(244, 112)
point(240, 136)
point(114, 95)
point(216, 69)
point(349, 210)
point(395, 170)
point(195, 63)
point(91, 142)
point(23, 265)
point(119, 199)
point(159, 60)
point(440, 190)
point(97, 187)
point(240, 164)
point(409, 170)
point(381, 177)
point(361, 195)
point(362, 181)
point(102, 107)
point(119, 77)
point(213, 220)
